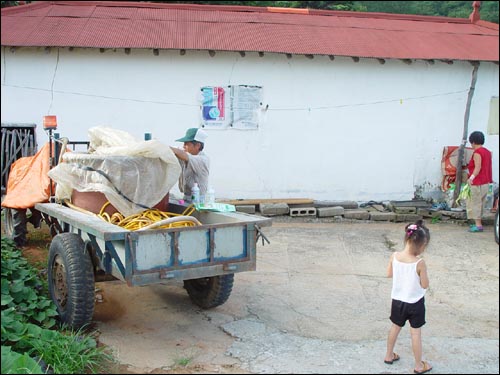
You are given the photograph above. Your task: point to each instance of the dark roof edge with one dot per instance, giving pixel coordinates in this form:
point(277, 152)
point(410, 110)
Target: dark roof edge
point(487, 24)
point(257, 51)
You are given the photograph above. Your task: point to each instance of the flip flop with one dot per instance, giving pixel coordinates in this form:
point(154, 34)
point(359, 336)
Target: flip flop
point(395, 358)
point(426, 368)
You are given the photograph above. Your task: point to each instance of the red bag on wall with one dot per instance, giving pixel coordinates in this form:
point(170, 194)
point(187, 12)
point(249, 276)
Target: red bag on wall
point(449, 162)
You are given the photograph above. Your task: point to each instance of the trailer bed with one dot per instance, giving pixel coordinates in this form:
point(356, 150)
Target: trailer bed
point(225, 243)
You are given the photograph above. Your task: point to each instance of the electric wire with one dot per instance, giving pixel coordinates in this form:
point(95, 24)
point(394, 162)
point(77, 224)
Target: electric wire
point(267, 108)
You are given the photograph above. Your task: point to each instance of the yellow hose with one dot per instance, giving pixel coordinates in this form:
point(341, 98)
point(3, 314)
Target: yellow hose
point(151, 218)
point(178, 221)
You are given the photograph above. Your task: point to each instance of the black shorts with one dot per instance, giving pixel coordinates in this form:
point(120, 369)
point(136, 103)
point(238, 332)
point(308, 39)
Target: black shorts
point(403, 311)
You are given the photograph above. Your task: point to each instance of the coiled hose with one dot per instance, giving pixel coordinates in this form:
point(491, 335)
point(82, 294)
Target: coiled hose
point(151, 219)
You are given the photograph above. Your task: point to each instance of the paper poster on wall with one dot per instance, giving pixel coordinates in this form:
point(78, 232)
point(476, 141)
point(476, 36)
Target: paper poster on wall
point(214, 109)
point(237, 107)
point(246, 106)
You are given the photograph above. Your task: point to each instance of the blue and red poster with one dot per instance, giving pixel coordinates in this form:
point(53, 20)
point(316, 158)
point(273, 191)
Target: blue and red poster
point(213, 103)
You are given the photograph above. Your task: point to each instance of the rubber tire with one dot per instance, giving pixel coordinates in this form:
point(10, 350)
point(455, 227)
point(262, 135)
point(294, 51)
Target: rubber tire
point(16, 225)
point(8, 222)
point(71, 280)
point(210, 292)
point(495, 226)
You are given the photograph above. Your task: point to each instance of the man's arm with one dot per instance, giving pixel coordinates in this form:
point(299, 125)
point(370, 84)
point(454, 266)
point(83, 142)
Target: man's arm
point(181, 154)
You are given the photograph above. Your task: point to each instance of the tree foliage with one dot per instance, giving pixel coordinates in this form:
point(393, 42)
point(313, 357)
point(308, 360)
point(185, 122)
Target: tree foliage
point(456, 9)
point(6, 4)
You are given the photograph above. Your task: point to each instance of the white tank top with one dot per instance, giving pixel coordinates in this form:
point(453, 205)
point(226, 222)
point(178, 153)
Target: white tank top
point(406, 282)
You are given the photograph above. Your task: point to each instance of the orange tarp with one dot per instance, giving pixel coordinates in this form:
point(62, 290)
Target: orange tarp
point(29, 182)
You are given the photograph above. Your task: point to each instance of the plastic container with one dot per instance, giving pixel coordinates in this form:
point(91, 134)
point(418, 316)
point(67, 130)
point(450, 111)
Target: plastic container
point(488, 203)
point(195, 194)
point(210, 200)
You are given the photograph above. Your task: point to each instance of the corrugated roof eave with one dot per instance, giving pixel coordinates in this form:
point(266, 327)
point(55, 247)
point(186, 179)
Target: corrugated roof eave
point(445, 58)
point(91, 24)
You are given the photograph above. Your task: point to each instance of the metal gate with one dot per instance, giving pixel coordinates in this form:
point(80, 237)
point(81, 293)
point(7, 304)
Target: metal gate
point(18, 140)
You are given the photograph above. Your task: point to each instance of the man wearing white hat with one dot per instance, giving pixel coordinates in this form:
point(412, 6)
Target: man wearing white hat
point(194, 162)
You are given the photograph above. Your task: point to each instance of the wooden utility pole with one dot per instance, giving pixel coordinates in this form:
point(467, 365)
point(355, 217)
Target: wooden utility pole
point(461, 149)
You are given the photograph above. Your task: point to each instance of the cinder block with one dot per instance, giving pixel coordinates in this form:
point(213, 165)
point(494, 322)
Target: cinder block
point(412, 203)
point(273, 209)
point(345, 204)
point(246, 208)
point(375, 208)
point(303, 211)
point(425, 212)
point(405, 210)
point(357, 214)
point(410, 218)
point(461, 215)
point(382, 216)
point(330, 211)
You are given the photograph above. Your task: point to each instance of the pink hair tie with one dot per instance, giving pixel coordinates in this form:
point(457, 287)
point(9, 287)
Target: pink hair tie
point(411, 229)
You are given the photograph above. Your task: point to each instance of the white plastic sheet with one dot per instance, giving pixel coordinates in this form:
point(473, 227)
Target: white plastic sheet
point(132, 174)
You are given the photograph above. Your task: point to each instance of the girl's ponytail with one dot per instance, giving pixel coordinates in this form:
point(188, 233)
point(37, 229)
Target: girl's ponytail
point(417, 234)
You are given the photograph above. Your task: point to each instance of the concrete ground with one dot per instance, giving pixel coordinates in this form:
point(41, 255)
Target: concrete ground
point(318, 303)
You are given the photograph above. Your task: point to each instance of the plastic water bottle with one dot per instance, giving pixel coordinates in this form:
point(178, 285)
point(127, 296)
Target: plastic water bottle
point(210, 201)
point(488, 204)
point(195, 194)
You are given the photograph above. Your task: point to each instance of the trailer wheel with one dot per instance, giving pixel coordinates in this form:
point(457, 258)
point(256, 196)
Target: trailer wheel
point(71, 280)
point(8, 222)
point(16, 225)
point(209, 292)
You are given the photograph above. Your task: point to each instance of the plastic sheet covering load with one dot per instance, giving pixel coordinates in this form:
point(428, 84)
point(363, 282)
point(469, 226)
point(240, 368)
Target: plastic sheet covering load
point(133, 175)
point(28, 182)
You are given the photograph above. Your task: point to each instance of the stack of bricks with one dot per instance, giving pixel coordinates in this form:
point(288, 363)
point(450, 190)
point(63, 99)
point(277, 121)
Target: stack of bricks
point(394, 211)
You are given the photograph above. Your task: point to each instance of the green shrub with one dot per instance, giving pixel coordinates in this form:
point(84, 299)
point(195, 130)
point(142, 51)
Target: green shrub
point(15, 363)
point(27, 316)
point(22, 301)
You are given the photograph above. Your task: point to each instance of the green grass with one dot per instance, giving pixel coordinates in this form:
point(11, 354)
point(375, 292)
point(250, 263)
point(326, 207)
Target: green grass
point(40, 237)
point(72, 352)
point(183, 362)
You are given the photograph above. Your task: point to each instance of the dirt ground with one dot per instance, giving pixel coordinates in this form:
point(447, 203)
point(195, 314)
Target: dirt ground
point(318, 303)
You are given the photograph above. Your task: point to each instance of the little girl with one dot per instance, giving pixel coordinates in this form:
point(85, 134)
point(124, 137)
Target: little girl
point(409, 284)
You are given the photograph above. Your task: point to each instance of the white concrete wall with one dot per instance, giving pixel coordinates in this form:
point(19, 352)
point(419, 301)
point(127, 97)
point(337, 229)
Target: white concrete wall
point(333, 129)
